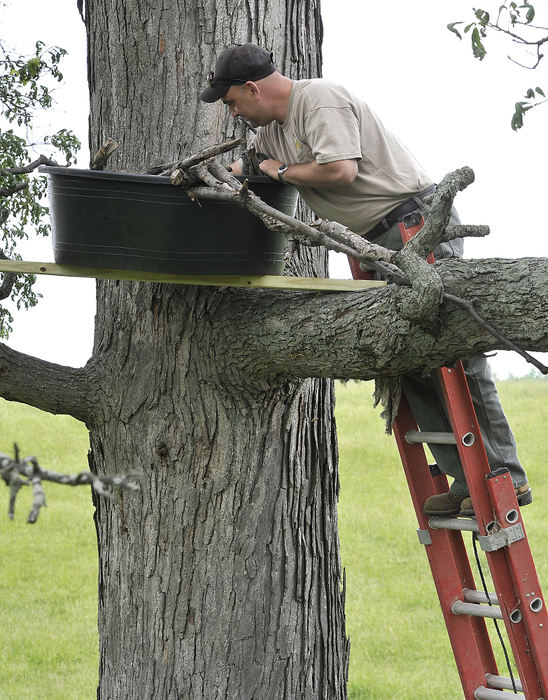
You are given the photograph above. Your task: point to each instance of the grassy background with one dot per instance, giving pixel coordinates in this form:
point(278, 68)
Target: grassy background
point(48, 571)
point(399, 646)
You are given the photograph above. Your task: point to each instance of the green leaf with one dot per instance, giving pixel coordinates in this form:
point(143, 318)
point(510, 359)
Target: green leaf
point(530, 93)
point(540, 92)
point(452, 26)
point(478, 48)
point(483, 17)
point(530, 16)
point(517, 118)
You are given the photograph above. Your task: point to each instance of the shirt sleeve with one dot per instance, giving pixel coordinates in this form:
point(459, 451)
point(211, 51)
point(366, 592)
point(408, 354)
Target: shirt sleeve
point(333, 133)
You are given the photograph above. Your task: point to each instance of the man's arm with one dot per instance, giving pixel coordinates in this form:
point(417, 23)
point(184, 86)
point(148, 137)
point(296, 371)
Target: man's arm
point(314, 174)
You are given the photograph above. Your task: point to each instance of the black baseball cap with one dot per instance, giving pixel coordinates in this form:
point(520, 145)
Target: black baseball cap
point(235, 66)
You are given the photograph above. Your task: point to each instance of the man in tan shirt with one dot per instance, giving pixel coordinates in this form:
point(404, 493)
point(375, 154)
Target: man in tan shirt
point(345, 164)
point(349, 168)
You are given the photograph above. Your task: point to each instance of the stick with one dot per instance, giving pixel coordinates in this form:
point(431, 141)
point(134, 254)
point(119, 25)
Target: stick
point(103, 154)
point(186, 163)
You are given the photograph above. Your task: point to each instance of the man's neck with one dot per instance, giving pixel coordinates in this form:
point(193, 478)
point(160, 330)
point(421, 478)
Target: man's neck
point(281, 98)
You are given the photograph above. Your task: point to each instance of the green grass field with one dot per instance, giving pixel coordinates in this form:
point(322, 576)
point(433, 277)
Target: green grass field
point(399, 646)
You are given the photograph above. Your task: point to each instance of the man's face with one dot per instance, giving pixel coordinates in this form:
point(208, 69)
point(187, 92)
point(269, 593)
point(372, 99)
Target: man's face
point(245, 100)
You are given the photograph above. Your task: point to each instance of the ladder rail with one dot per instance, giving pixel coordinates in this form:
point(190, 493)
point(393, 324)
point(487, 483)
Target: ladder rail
point(512, 567)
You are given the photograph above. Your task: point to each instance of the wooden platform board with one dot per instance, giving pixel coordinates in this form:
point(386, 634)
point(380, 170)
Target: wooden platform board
point(309, 284)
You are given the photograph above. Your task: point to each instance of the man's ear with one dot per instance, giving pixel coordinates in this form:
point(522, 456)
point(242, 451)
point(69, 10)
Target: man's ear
point(254, 89)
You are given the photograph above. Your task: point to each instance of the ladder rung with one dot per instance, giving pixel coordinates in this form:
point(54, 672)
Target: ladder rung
point(468, 524)
point(480, 597)
point(459, 607)
point(483, 693)
point(502, 682)
point(416, 436)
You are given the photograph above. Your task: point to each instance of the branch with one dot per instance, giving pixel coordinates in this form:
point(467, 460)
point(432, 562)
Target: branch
point(25, 169)
point(407, 267)
point(469, 306)
point(13, 190)
point(47, 386)
point(8, 281)
point(206, 154)
point(11, 471)
point(100, 159)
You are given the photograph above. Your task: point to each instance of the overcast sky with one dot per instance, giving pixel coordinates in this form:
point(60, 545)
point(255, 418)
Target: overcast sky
point(448, 108)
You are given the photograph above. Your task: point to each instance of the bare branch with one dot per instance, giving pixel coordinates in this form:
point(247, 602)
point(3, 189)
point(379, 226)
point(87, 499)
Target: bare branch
point(100, 159)
point(62, 389)
point(465, 231)
point(27, 472)
point(206, 154)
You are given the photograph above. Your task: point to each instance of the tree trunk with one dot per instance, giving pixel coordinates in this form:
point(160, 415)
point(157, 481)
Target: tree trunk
point(222, 577)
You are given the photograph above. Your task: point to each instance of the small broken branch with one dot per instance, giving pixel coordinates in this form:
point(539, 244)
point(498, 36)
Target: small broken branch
point(433, 231)
point(100, 159)
point(465, 231)
point(26, 472)
point(186, 163)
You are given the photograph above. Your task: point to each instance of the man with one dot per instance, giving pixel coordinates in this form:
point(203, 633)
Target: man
point(349, 168)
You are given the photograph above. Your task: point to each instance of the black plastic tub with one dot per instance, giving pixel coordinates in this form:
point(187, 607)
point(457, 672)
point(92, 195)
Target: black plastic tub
point(113, 220)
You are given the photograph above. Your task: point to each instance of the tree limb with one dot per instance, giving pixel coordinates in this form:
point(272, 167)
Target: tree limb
point(11, 471)
point(422, 305)
point(47, 386)
point(348, 336)
point(25, 169)
point(469, 306)
point(10, 191)
point(8, 280)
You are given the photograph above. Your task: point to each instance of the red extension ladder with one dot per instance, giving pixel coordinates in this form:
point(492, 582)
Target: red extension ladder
point(499, 529)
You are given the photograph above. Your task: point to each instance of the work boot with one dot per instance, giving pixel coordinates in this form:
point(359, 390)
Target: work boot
point(523, 494)
point(443, 504)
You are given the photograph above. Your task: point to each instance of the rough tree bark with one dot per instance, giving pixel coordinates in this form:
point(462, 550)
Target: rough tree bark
point(221, 577)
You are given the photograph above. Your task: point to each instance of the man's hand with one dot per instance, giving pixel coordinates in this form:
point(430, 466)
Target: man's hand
point(269, 167)
point(312, 174)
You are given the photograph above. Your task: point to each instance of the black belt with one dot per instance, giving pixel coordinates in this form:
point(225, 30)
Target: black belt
point(396, 214)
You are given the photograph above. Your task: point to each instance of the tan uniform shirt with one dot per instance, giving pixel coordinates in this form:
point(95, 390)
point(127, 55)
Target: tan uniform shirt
point(326, 123)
